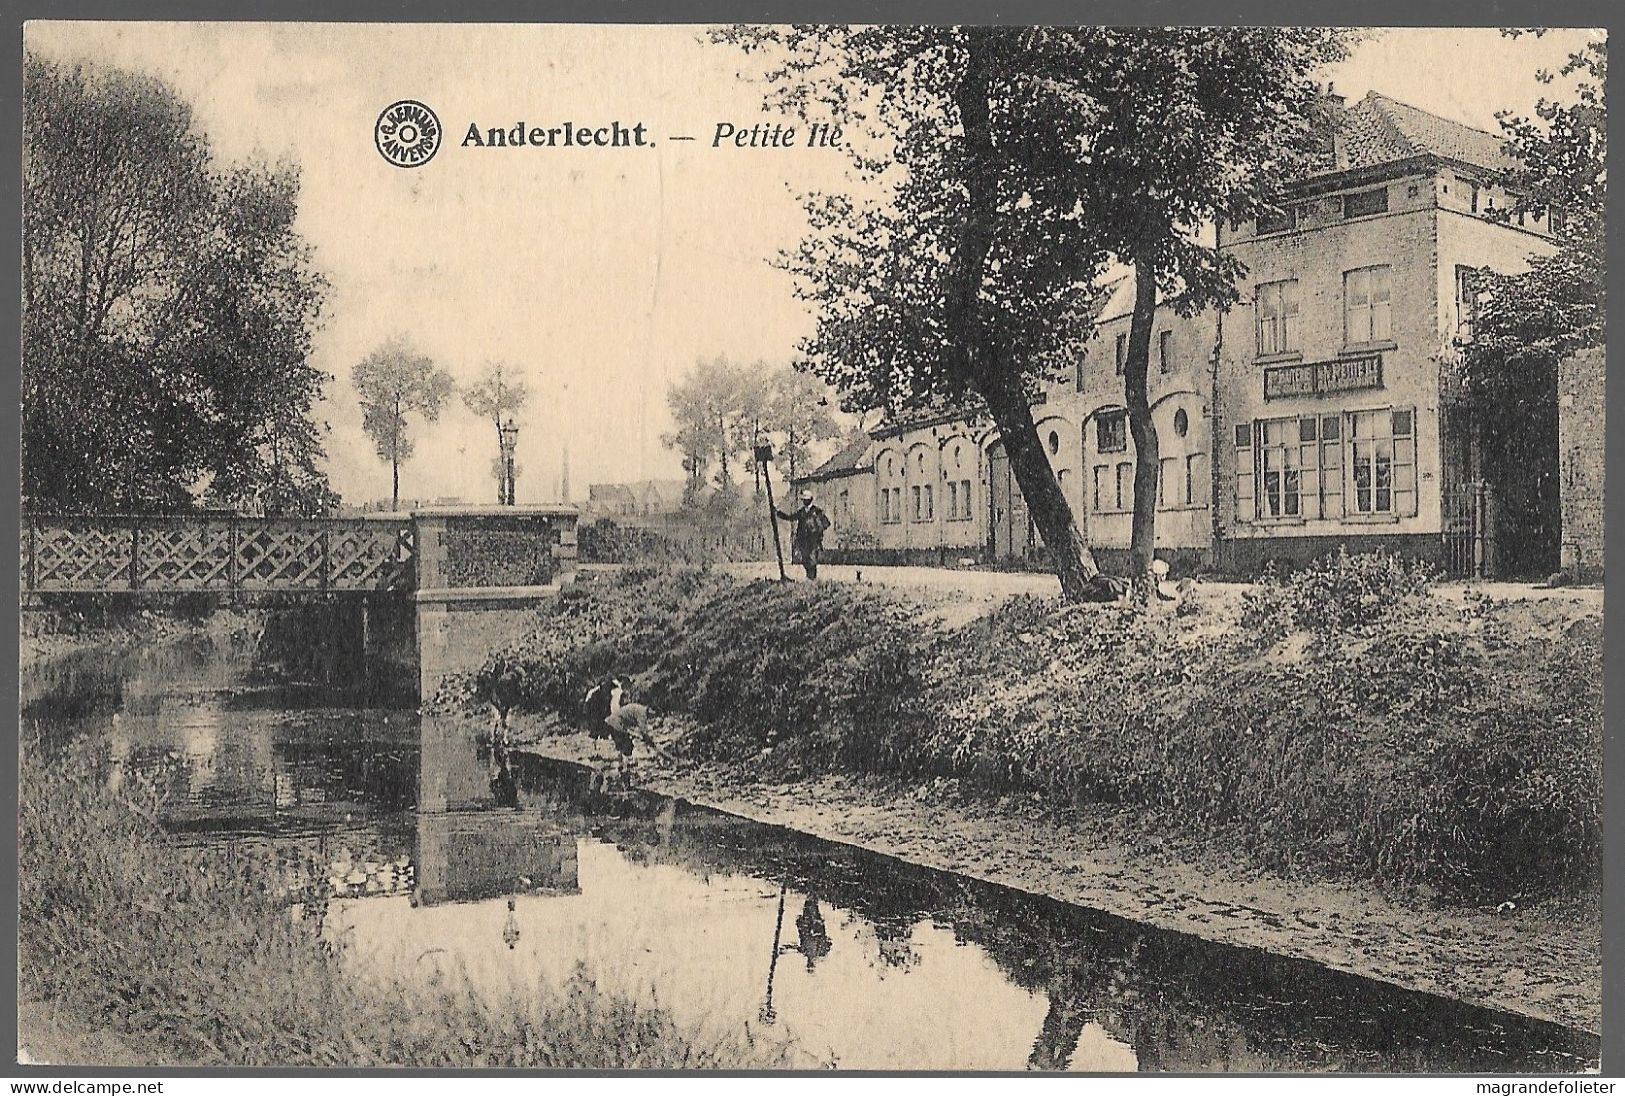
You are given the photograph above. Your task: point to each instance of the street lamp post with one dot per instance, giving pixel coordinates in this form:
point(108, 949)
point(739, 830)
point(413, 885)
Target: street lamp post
point(510, 438)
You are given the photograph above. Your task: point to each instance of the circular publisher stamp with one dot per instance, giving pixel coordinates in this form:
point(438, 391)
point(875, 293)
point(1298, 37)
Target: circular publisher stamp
point(407, 133)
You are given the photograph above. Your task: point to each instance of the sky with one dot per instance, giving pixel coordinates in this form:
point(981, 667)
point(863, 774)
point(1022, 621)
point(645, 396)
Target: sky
point(601, 274)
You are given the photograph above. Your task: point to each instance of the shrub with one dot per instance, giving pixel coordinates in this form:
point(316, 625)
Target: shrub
point(680, 543)
point(1336, 591)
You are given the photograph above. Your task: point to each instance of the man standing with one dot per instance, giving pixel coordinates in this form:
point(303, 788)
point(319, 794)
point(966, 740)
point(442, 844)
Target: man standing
point(811, 523)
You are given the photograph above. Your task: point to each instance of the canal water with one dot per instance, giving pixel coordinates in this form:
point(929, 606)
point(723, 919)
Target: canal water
point(419, 848)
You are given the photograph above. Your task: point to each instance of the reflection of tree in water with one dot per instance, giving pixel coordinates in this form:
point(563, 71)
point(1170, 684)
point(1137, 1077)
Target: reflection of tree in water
point(504, 790)
point(1178, 1002)
point(1058, 1037)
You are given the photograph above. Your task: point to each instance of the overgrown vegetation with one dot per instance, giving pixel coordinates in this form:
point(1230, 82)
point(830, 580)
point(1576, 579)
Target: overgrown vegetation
point(189, 958)
point(1343, 720)
point(1339, 591)
point(720, 537)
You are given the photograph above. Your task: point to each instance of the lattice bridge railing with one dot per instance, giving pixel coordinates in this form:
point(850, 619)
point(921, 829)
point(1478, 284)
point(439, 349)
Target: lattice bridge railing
point(226, 554)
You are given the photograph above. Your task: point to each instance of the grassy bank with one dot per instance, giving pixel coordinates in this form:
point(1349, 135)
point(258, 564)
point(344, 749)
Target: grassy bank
point(156, 955)
point(1346, 721)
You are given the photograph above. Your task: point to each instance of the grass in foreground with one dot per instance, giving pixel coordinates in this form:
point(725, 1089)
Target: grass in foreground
point(188, 959)
point(1347, 721)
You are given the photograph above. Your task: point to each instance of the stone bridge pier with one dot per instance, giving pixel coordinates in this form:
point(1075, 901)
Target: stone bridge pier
point(481, 573)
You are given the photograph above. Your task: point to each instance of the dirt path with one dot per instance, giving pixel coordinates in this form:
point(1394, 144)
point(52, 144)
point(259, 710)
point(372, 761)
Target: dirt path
point(995, 586)
point(1533, 962)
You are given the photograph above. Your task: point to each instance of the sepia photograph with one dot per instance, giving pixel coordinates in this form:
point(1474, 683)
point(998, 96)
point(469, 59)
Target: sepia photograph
point(787, 548)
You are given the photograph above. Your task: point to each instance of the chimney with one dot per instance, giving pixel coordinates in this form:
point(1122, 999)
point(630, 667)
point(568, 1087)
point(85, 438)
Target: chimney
point(1329, 125)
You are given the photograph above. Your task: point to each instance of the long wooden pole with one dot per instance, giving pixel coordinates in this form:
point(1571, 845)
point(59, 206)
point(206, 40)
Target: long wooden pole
point(773, 520)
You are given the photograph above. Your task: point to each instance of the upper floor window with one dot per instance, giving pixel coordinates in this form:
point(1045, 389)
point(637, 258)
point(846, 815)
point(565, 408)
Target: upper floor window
point(1367, 314)
point(1277, 304)
point(1365, 202)
point(1466, 301)
point(1111, 432)
point(1165, 351)
point(1281, 220)
point(1122, 353)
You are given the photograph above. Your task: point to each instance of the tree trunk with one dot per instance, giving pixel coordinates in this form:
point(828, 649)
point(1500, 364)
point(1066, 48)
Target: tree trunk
point(1147, 457)
point(395, 459)
point(1069, 552)
point(995, 377)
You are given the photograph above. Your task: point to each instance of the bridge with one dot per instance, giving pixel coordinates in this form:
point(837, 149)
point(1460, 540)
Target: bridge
point(473, 574)
point(221, 554)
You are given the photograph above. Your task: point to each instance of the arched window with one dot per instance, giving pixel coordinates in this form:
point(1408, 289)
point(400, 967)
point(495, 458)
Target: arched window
point(921, 490)
point(890, 502)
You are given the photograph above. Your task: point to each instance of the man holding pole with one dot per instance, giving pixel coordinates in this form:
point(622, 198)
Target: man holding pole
point(811, 524)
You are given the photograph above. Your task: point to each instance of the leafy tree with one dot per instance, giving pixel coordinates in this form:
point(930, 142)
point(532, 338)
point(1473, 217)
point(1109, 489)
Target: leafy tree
point(995, 174)
point(752, 399)
point(168, 309)
point(393, 382)
point(799, 414)
point(499, 394)
point(1526, 324)
point(708, 410)
point(1184, 127)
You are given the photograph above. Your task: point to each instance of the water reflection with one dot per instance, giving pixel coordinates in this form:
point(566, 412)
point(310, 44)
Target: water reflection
point(411, 838)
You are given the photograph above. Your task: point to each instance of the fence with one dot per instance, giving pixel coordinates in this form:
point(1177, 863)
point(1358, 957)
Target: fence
point(1465, 550)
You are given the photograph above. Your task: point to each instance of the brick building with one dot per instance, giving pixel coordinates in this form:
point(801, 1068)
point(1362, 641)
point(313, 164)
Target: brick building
point(645, 498)
point(940, 489)
point(1334, 392)
point(1319, 411)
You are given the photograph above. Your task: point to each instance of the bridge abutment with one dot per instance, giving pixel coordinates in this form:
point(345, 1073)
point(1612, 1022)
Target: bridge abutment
point(481, 573)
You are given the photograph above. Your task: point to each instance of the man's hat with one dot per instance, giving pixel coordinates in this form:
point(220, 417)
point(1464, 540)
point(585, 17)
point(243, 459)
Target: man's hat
point(806, 496)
